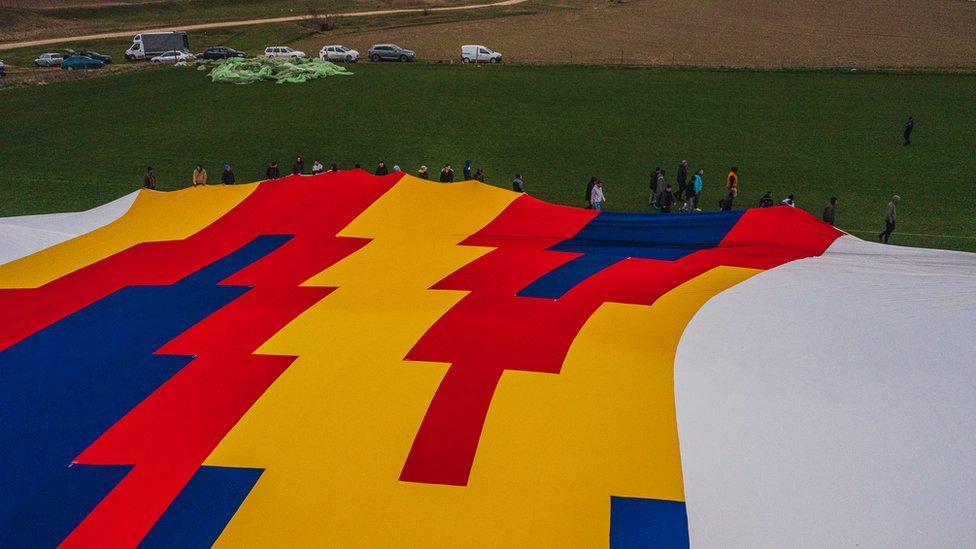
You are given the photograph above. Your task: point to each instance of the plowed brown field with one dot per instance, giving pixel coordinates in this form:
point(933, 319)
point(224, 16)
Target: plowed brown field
point(744, 33)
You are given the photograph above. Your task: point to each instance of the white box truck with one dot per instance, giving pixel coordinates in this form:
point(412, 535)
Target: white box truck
point(150, 44)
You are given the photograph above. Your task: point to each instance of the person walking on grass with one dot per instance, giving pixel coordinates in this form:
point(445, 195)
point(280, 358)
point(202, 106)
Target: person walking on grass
point(889, 219)
point(227, 176)
point(381, 169)
point(666, 199)
point(517, 184)
point(199, 176)
point(682, 180)
point(272, 171)
point(766, 200)
point(695, 188)
point(447, 174)
point(149, 182)
point(732, 181)
point(589, 192)
point(907, 134)
point(829, 210)
point(597, 198)
point(317, 168)
point(467, 170)
point(422, 173)
point(298, 167)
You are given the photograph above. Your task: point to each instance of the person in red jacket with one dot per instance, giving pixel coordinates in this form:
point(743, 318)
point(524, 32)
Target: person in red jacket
point(732, 181)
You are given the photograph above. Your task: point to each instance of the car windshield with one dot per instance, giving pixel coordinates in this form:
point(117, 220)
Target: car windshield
point(342, 49)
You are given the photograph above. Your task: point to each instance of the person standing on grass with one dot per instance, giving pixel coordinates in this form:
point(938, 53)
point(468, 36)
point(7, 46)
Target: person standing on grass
point(661, 184)
point(227, 176)
point(889, 219)
point(149, 181)
point(652, 197)
point(766, 200)
point(789, 201)
point(396, 168)
point(272, 171)
point(732, 182)
point(479, 175)
point(682, 179)
point(907, 134)
point(467, 170)
point(334, 167)
point(726, 203)
point(381, 169)
point(517, 184)
point(299, 166)
point(666, 199)
point(695, 188)
point(829, 210)
point(199, 176)
point(447, 174)
point(422, 173)
point(317, 167)
point(597, 198)
point(589, 192)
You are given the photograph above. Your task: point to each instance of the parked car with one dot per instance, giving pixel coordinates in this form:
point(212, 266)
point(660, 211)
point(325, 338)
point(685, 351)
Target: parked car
point(221, 52)
point(95, 55)
point(390, 52)
point(479, 54)
point(283, 51)
point(48, 60)
point(81, 62)
point(338, 53)
point(150, 44)
point(174, 56)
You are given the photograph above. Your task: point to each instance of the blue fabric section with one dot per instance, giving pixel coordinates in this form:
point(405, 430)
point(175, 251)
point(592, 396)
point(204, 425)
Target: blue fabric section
point(64, 386)
point(610, 237)
point(639, 522)
point(199, 514)
point(65, 498)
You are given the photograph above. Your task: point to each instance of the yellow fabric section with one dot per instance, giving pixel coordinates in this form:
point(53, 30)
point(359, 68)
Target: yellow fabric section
point(154, 216)
point(332, 433)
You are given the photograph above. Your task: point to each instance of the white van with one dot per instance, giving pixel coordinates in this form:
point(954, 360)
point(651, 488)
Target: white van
point(479, 54)
point(151, 44)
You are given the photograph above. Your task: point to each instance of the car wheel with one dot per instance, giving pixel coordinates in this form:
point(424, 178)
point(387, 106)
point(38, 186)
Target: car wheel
point(374, 58)
point(494, 60)
point(348, 59)
point(465, 60)
point(69, 68)
point(403, 58)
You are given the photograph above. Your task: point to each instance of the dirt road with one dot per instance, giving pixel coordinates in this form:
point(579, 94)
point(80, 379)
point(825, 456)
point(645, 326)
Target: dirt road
point(221, 24)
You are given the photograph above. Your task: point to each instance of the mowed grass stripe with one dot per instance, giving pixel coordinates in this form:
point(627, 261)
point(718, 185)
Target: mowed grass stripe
point(813, 134)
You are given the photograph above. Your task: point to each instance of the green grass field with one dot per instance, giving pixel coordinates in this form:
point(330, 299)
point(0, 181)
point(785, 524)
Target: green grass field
point(74, 145)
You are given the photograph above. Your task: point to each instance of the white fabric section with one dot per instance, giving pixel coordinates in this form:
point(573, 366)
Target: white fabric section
point(27, 234)
point(831, 402)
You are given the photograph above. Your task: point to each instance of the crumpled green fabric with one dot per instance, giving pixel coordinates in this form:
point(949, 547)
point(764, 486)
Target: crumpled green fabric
point(256, 69)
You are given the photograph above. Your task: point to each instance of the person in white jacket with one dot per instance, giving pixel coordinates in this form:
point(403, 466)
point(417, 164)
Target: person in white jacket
point(596, 196)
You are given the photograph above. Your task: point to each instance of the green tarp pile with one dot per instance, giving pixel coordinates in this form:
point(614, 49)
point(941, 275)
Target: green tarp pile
point(256, 69)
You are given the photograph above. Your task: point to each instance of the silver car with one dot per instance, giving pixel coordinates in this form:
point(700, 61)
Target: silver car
point(49, 60)
point(390, 52)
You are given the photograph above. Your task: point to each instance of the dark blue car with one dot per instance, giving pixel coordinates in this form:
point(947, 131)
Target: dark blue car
point(81, 62)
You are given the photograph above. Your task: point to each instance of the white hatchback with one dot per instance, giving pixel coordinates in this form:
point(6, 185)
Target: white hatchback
point(174, 56)
point(339, 54)
point(283, 51)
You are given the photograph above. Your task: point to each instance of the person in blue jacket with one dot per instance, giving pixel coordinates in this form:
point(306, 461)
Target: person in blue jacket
point(695, 189)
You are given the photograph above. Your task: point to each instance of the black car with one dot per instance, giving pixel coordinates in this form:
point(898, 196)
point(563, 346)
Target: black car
point(221, 52)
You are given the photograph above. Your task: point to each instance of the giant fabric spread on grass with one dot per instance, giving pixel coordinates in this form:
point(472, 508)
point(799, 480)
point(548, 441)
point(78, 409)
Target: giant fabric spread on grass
point(350, 360)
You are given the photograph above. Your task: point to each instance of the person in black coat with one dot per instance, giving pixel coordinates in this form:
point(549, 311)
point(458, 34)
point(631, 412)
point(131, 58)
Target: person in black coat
point(909, 126)
point(149, 181)
point(299, 165)
point(227, 176)
point(447, 174)
point(766, 200)
point(272, 171)
point(381, 169)
point(682, 179)
point(517, 184)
